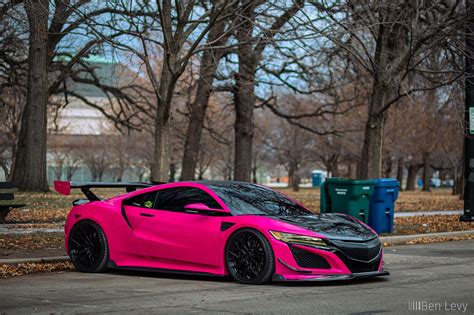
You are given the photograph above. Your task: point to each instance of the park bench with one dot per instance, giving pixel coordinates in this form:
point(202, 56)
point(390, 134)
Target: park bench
point(7, 200)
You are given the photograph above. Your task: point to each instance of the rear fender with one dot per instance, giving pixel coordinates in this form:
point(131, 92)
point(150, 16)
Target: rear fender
point(121, 239)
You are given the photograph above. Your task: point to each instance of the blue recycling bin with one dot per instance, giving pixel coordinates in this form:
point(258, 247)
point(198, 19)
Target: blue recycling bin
point(382, 204)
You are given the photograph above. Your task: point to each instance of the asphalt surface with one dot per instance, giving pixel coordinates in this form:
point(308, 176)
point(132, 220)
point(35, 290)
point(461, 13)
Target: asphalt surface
point(442, 274)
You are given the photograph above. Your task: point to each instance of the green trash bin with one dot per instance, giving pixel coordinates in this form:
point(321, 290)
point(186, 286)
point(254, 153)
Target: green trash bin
point(352, 197)
point(323, 199)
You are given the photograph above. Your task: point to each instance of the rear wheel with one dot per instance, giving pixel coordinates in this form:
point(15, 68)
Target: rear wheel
point(88, 248)
point(249, 257)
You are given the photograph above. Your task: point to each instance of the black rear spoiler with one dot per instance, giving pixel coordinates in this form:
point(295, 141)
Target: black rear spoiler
point(64, 187)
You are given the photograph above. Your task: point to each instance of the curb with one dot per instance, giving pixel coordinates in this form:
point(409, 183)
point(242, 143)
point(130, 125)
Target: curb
point(15, 261)
point(403, 239)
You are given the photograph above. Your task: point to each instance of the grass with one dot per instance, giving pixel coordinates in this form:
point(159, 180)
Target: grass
point(8, 271)
point(31, 241)
point(44, 209)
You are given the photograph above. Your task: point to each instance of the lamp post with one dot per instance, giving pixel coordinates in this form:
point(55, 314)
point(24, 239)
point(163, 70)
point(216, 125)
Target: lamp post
point(469, 117)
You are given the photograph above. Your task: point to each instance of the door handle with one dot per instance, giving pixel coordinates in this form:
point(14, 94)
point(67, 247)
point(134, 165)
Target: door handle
point(147, 215)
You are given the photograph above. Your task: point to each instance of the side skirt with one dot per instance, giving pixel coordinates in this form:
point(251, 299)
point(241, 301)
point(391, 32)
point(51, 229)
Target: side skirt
point(112, 265)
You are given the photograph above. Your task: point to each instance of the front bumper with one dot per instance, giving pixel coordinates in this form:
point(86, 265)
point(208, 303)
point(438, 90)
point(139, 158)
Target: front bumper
point(338, 261)
point(335, 277)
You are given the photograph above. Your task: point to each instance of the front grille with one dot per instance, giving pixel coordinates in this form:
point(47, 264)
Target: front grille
point(364, 251)
point(359, 256)
point(306, 259)
point(356, 266)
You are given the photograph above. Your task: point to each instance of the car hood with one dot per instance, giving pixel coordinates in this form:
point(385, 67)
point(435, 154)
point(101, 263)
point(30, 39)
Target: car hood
point(332, 226)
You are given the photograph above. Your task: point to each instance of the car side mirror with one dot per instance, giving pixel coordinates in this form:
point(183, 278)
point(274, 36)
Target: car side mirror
point(200, 207)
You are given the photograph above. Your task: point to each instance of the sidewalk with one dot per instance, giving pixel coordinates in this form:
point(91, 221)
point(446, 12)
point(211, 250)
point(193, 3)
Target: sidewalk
point(426, 213)
point(31, 253)
point(403, 239)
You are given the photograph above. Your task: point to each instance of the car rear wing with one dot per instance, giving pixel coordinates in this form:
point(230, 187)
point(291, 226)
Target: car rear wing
point(64, 187)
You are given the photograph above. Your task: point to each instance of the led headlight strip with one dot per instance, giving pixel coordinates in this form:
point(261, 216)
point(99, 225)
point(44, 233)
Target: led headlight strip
point(298, 239)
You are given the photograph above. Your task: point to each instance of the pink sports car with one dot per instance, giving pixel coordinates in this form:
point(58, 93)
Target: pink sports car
point(247, 231)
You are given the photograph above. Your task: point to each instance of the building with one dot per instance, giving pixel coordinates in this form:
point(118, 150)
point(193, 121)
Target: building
point(80, 136)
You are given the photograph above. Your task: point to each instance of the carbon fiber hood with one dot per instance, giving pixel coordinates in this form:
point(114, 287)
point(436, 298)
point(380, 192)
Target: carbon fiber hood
point(332, 226)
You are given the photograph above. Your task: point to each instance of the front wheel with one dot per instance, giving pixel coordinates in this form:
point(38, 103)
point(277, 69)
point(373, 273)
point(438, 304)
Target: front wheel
point(88, 248)
point(249, 257)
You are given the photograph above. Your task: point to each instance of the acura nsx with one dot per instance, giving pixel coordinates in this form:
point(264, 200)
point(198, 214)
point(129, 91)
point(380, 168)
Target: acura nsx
point(247, 231)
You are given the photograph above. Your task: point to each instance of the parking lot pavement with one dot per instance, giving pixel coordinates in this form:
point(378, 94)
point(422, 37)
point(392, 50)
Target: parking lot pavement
point(441, 274)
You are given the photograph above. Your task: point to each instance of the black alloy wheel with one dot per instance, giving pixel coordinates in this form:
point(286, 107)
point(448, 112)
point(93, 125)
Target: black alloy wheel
point(88, 248)
point(249, 257)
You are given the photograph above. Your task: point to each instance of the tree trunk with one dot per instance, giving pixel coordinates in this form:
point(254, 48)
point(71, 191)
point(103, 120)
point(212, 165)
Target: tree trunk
point(59, 172)
point(161, 153)
point(371, 162)
point(244, 100)
point(254, 175)
point(210, 60)
point(30, 171)
point(426, 171)
point(119, 171)
point(172, 178)
point(411, 179)
point(458, 182)
point(6, 171)
point(400, 169)
point(160, 169)
point(140, 175)
point(296, 182)
point(353, 169)
point(69, 175)
point(244, 94)
point(388, 168)
point(388, 43)
point(335, 170)
point(291, 176)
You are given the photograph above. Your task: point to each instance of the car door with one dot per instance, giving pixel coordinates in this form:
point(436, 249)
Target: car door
point(134, 209)
point(169, 233)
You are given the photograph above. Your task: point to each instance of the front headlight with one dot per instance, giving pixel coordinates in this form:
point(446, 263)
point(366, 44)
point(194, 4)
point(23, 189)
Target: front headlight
point(298, 239)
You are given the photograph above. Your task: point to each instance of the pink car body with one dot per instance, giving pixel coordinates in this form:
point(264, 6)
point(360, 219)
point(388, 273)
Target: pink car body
point(142, 238)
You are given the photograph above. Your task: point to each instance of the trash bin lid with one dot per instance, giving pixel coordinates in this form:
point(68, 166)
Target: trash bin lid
point(386, 182)
point(346, 181)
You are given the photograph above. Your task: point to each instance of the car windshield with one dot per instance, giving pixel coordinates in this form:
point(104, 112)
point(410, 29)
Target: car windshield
point(244, 198)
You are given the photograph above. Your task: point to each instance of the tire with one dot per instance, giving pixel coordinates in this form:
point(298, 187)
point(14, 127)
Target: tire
point(249, 257)
point(88, 248)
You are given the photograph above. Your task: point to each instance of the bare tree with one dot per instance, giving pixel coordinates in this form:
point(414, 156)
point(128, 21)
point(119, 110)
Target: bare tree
point(218, 35)
point(49, 25)
point(182, 30)
point(249, 54)
point(30, 162)
point(96, 156)
point(13, 69)
point(392, 42)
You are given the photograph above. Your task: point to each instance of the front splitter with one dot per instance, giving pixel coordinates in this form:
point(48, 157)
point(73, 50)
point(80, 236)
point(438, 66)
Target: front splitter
point(362, 275)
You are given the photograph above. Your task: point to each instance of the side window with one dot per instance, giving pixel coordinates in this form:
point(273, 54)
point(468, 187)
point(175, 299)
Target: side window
point(144, 200)
point(175, 199)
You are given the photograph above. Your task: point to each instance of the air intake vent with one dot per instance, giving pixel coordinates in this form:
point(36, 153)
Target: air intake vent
point(306, 259)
